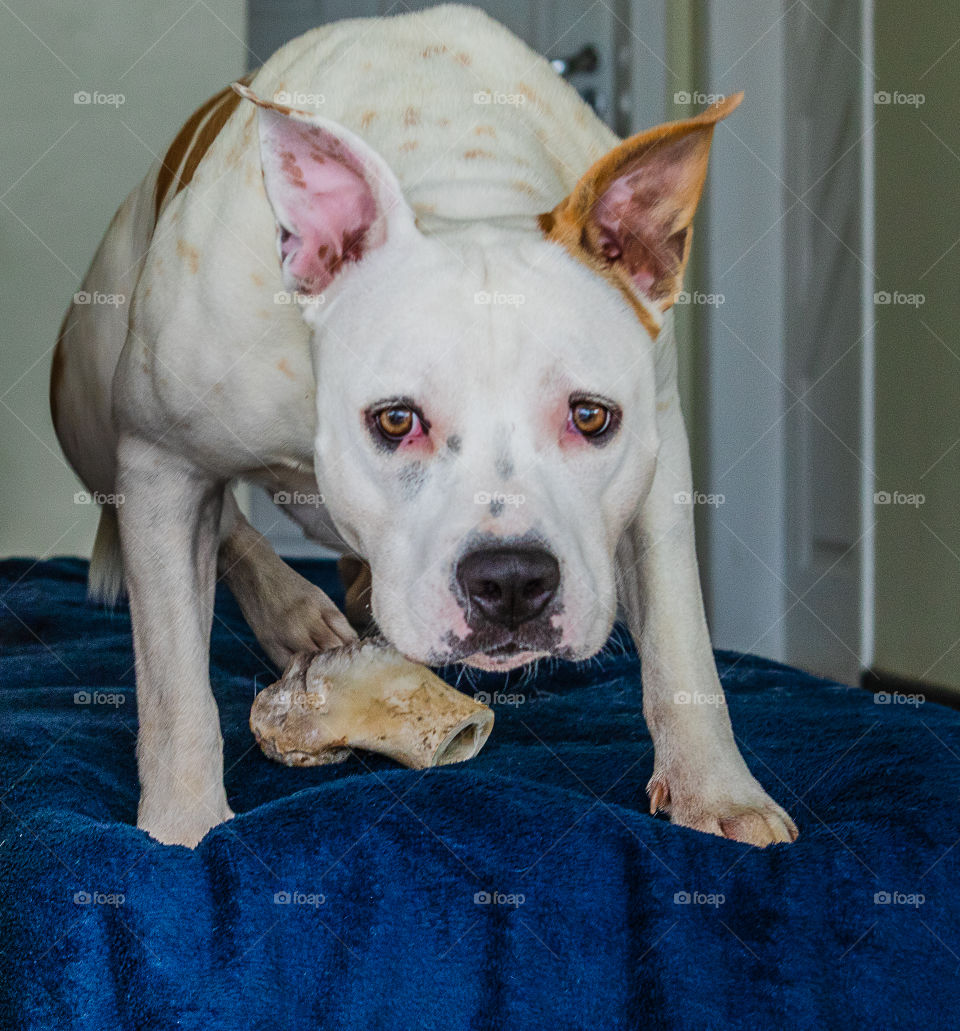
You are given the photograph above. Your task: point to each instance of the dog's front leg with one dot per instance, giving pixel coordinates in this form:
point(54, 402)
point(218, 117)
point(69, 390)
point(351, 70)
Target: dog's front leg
point(169, 523)
point(699, 776)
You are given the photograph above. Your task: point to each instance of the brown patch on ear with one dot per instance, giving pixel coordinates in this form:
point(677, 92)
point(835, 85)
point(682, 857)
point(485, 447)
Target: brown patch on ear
point(629, 218)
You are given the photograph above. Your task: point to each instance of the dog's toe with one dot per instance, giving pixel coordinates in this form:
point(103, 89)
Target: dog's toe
point(760, 827)
point(748, 815)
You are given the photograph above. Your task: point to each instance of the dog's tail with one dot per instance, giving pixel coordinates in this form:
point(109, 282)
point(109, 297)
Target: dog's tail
point(105, 580)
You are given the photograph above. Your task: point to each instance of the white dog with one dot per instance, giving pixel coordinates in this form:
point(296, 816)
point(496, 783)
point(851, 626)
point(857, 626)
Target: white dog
point(415, 285)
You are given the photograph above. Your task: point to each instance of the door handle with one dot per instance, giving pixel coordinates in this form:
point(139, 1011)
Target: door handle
point(586, 59)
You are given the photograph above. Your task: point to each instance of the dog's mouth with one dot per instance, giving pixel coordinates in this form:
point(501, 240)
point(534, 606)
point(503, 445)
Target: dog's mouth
point(503, 657)
point(499, 649)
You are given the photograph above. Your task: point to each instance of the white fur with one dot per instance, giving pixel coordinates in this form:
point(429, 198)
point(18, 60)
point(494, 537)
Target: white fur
point(204, 378)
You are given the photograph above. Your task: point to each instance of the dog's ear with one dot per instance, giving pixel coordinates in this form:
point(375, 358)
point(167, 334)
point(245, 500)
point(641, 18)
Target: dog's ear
point(631, 214)
point(334, 198)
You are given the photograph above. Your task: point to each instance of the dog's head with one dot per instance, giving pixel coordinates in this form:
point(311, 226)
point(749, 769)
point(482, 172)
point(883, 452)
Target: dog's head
point(486, 396)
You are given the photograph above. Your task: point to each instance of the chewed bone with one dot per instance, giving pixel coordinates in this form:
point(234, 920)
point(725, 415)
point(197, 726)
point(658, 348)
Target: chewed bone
point(366, 696)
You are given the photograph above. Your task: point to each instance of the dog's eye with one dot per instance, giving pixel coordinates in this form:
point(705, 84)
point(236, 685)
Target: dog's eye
point(395, 423)
point(590, 418)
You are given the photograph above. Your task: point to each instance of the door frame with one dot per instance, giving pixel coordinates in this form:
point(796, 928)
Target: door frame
point(750, 603)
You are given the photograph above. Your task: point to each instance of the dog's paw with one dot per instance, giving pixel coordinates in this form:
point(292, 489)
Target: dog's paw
point(303, 619)
point(745, 813)
point(173, 825)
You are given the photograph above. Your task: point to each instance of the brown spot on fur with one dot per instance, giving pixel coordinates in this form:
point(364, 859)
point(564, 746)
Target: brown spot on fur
point(257, 278)
point(476, 152)
point(522, 186)
point(465, 59)
point(408, 146)
point(529, 93)
point(433, 51)
point(443, 122)
point(190, 255)
point(192, 143)
point(367, 118)
point(285, 369)
point(411, 116)
point(485, 130)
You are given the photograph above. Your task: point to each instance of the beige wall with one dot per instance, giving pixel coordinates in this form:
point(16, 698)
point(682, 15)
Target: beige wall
point(918, 348)
point(64, 169)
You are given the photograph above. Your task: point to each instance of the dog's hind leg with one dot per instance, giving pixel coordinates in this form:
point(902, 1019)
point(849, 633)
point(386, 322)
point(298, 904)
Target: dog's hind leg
point(286, 612)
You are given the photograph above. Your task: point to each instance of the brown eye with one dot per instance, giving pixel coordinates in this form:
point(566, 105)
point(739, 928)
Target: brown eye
point(396, 423)
point(590, 418)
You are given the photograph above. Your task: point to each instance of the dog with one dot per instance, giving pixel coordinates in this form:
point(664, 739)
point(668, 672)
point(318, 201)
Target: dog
point(404, 279)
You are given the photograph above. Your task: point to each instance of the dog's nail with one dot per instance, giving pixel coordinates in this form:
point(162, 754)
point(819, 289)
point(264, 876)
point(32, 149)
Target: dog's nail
point(659, 796)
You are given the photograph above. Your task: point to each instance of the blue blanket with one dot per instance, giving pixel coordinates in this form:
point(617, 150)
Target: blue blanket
point(528, 888)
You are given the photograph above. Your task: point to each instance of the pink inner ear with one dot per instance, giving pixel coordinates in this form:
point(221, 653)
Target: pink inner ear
point(637, 216)
point(323, 201)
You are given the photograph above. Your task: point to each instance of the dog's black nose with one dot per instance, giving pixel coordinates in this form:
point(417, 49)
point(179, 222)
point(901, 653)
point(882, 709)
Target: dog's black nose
point(509, 585)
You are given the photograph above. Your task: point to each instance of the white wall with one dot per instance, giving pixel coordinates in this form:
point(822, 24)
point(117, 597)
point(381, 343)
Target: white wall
point(64, 169)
